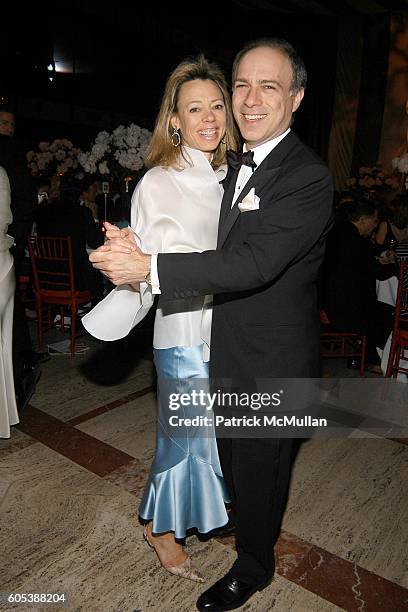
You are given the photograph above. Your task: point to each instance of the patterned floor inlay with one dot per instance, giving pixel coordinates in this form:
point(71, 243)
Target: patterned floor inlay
point(341, 582)
point(94, 455)
point(110, 406)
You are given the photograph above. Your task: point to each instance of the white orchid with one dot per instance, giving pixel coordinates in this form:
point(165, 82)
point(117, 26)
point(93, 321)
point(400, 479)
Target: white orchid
point(123, 150)
point(401, 163)
point(103, 168)
point(53, 158)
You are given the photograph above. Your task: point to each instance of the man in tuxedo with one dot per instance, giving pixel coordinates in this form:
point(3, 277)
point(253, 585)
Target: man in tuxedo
point(274, 217)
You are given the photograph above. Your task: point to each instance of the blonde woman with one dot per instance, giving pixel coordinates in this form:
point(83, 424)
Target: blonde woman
point(175, 207)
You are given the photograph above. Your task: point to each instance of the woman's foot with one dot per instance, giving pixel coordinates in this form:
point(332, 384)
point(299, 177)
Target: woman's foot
point(171, 555)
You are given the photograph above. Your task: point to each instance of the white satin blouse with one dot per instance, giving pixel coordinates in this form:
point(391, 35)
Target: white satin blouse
point(173, 211)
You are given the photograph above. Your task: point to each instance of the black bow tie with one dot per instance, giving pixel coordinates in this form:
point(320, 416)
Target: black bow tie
point(236, 160)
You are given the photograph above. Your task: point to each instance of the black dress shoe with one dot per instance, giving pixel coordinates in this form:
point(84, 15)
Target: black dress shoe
point(26, 388)
point(228, 593)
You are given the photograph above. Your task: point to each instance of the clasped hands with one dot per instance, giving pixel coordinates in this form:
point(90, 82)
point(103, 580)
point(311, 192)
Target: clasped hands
point(120, 259)
point(387, 257)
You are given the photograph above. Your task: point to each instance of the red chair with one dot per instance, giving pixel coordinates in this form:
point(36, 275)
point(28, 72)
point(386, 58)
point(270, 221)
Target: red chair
point(54, 283)
point(341, 344)
point(399, 340)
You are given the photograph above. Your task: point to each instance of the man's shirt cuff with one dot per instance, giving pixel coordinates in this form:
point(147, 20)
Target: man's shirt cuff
point(154, 275)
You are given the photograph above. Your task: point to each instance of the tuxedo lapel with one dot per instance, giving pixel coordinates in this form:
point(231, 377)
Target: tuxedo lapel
point(266, 173)
point(227, 200)
point(257, 180)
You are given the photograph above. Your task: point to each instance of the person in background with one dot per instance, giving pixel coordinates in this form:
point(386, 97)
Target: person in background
point(175, 207)
point(393, 229)
point(7, 122)
point(351, 270)
point(67, 217)
point(89, 190)
point(8, 405)
point(23, 206)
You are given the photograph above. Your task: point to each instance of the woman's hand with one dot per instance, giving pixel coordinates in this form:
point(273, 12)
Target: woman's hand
point(114, 233)
point(121, 262)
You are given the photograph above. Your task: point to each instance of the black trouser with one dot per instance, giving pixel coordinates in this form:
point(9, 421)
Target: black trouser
point(379, 327)
point(257, 474)
point(22, 346)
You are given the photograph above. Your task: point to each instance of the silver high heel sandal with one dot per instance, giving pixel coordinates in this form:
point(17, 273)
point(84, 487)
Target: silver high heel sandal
point(186, 569)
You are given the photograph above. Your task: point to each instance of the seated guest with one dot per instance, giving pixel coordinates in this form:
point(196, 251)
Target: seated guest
point(66, 217)
point(401, 221)
point(351, 270)
point(393, 228)
point(89, 189)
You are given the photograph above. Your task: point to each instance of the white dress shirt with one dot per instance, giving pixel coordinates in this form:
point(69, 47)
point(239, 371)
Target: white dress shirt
point(260, 152)
point(173, 211)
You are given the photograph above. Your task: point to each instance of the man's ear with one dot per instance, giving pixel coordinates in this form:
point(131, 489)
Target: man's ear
point(297, 98)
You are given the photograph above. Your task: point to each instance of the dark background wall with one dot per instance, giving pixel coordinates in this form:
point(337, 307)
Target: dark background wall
point(116, 57)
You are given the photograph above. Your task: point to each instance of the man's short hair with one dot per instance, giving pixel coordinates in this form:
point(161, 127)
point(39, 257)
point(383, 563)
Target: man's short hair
point(360, 207)
point(299, 73)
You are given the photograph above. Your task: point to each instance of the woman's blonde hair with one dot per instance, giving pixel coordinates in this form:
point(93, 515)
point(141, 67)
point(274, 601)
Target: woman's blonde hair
point(161, 150)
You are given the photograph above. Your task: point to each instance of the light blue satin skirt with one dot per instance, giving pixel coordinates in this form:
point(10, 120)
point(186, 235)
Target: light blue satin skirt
point(185, 488)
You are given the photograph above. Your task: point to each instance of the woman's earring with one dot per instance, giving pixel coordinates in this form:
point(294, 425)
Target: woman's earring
point(175, 137)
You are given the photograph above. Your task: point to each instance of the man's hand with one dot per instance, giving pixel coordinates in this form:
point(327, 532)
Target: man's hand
point(120, 262)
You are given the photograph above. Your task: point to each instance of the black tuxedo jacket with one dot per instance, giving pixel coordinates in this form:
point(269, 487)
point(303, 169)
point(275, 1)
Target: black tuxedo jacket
point(264, 271)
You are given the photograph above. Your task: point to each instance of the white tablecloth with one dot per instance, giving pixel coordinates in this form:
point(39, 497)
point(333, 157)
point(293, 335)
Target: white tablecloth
point(387, 290)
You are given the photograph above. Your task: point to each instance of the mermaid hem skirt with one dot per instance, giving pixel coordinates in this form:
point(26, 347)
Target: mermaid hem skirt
point(188, 495)
point(185, 489)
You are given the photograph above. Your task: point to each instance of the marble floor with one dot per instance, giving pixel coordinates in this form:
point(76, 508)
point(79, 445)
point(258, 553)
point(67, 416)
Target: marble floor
point(73, 471)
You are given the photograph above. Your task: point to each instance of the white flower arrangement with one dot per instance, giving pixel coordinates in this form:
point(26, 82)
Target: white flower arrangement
point(118, 153)
point(373, 178)
point(401, 163)
point(58, 157)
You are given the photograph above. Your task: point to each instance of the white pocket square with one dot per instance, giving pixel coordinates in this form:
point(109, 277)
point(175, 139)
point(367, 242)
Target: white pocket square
point(250, 202)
